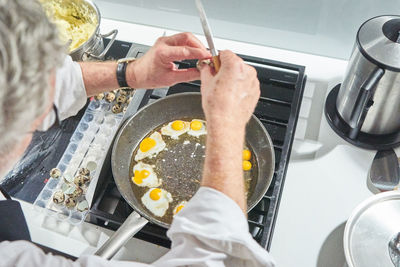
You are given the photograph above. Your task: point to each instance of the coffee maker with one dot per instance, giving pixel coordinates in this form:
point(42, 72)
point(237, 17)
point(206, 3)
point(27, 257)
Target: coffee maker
point(365, 109)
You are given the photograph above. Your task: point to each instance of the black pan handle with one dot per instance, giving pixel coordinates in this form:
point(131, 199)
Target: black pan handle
point(364, 96)
point(126, 231)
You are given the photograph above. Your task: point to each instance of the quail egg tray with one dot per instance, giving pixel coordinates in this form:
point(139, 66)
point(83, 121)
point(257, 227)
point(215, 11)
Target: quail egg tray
point(87, 149)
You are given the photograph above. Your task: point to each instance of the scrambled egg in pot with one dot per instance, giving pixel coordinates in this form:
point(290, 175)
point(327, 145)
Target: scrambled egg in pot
point(76, 22)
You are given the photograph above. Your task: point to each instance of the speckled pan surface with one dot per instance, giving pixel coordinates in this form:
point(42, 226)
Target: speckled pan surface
point(174, 107)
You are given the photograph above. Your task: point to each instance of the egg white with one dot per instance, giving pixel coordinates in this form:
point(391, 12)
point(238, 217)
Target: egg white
point(180, 203)
point(202, 131)
point(174, 134)
point(160, 145)
point(149, 181)
point(157, 207)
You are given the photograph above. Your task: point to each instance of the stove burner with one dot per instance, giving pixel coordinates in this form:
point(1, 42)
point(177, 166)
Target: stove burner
point(282, 86)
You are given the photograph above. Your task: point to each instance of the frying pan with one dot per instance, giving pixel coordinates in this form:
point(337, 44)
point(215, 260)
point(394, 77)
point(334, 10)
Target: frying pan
point(177, 106)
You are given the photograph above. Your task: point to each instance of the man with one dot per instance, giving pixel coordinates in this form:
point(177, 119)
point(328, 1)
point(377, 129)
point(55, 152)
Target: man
point(32, 81)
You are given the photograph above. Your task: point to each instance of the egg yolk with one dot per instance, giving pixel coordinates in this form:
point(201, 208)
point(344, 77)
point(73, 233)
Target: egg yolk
point(155, 194)
point(246, 165)
point(246, 154)
point(196, 125)
point(140, 175)
point(178, 209)
point(178, 125)
point(147, 144)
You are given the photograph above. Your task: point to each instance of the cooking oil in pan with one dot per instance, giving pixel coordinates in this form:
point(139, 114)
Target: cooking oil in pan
point(180, 168)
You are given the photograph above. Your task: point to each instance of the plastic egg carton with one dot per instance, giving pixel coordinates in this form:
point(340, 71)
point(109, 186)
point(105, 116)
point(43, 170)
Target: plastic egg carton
point(87, 148)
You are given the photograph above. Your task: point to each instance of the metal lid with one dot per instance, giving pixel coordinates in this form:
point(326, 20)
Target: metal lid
point(379, 41)
point(371, 237)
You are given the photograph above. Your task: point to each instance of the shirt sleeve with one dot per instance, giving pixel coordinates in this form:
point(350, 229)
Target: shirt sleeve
point(23, 254)
point(212, 231)
point(70, 92)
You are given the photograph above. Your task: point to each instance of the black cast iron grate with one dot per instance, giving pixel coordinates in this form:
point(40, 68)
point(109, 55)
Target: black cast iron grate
point(282, 87)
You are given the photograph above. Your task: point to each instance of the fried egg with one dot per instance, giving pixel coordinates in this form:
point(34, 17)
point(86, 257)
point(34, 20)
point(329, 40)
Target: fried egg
point(157, 201)
point(174, 129)
point(144, 175)
point(179, 207)
point(150, 146)
point(197, 128)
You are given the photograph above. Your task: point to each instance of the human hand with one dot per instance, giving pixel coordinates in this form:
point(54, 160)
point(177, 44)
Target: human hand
point(230, 96)
point(228, 99)
point(156, 68)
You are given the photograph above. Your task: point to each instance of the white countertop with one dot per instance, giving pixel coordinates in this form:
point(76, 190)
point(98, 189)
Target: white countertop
point(326, 177)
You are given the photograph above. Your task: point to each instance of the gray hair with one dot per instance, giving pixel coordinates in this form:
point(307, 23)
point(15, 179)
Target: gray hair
point(29, 52)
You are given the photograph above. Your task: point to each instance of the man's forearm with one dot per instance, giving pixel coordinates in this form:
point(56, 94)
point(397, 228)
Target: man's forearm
point(99, 77)
point(156, 69)
point(223, 163)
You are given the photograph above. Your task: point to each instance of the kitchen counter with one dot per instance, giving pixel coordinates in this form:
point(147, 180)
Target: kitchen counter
point(326, 177)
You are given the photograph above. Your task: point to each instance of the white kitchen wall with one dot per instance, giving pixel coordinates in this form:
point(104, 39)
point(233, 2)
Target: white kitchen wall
point(322, 27)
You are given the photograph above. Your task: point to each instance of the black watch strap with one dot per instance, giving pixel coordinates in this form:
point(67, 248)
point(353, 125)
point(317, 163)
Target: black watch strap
point(121, 74)
point(121, 71)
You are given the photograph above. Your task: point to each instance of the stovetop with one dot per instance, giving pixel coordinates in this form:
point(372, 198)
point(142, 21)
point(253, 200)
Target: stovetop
point(282, 86)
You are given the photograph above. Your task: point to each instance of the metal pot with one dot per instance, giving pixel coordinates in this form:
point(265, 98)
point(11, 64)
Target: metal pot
point(93, 48)
point(372, 233)
point(369, 98)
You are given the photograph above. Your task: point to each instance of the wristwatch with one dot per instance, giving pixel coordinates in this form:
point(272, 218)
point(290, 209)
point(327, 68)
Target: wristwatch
point(121, 71)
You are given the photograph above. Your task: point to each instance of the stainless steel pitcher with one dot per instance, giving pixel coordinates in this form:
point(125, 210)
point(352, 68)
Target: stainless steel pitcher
point(369, 97)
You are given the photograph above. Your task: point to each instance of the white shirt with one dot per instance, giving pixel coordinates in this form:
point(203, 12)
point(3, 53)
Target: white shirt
point(210, 231)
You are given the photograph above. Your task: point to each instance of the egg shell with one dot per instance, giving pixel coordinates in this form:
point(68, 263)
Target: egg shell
point(80, 180)
point(91, 164)
point(55, 173)
point(117, 108)
point(68, 177)
point(123, 92)
point(84, 171)
point(70, 203)
point(99, 96)
point(58, 197)
point(82, 206)
point(73, 191)
point(110, 97)
point(121, 99)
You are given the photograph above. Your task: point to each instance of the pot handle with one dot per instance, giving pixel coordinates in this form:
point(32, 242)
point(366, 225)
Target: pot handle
point(102, 54)
point(363, 99)
point(126, 231)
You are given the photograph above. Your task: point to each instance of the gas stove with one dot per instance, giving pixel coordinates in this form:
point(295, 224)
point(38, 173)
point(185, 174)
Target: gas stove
point(282, 86)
